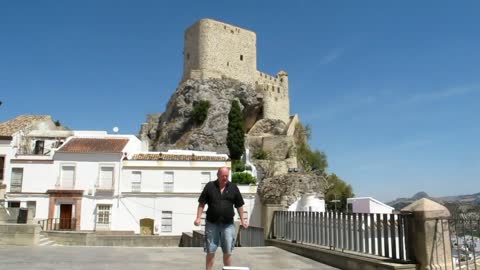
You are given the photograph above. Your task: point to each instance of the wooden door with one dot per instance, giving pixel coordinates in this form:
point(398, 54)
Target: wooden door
point(65, 217)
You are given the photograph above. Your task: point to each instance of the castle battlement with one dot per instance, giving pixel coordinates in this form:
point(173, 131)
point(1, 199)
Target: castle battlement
point(215, 49)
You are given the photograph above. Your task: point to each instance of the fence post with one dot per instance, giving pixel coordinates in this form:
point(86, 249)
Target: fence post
point(428, 243)
point(267, 217)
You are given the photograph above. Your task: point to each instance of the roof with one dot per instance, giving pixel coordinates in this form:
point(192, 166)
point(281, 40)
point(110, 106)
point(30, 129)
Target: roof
point(18, 123)
point(94, 145)
point(178, 157)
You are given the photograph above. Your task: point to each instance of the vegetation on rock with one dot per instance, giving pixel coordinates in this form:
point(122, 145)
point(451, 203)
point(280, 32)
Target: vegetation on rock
point(243, 178)
point(200, 112)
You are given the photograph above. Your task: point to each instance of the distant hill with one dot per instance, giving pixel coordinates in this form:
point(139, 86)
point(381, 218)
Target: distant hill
point(472, 200)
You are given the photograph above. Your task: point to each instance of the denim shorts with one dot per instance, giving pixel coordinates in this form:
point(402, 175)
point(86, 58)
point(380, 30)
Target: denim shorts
point(219, 234)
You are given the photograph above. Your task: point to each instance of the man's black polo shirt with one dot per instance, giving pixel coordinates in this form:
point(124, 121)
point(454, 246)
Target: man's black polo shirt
point(220, 205)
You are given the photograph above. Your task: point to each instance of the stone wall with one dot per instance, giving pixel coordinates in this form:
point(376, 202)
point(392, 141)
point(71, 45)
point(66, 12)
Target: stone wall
point(19, 234)
point(214, 48)
point(276, 101)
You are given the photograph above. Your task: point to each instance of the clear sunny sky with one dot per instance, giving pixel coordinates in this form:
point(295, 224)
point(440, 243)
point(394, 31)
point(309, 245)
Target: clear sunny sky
point(391, 89)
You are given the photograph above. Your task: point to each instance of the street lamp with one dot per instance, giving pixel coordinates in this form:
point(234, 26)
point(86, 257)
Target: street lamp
point(335, 202)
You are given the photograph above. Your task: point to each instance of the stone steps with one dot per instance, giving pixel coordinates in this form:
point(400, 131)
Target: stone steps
point(45, 241)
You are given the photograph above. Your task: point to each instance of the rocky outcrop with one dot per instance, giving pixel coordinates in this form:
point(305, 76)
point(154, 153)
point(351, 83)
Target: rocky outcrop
point(174, 128)
point(285, 189)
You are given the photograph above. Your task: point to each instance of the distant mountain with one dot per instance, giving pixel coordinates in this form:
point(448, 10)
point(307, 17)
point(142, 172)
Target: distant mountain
point(461, 200)
point(400, 203)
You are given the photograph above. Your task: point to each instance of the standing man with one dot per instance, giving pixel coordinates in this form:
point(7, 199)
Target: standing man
point(221, 196)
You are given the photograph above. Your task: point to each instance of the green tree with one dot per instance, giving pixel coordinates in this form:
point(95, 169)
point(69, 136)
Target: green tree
point(200, 112)
point(236, 132)
point(337, 189)
point(311, 160)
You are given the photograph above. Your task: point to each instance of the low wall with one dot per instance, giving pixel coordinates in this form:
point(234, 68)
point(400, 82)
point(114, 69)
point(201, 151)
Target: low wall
point(339, 259)
point(124, 240)
point(136, 241)
point(19, 234)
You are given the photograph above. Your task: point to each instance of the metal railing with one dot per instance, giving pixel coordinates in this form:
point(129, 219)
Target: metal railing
point(250, 237)
point(383, 235)
point(58, 224)
point(465, 243)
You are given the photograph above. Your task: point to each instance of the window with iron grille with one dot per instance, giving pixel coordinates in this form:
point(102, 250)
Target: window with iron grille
point(17, 179)
point(103, 214)
point(136, 181)
point(168, 182)
point(167, 221)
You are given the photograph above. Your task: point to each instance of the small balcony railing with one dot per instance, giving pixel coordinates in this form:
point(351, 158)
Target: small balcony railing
point(58, 224)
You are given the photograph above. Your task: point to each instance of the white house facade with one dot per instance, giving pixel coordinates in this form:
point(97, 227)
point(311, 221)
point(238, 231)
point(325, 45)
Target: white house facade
point(91, 181)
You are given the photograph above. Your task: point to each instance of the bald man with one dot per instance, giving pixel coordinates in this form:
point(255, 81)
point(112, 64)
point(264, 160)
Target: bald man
point(221, 196)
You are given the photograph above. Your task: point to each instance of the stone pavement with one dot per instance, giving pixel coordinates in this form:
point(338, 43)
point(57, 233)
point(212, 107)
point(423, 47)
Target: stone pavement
point(120, 258)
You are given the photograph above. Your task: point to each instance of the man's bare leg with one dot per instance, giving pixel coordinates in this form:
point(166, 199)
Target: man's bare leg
point(209, 261)
point(227, 259)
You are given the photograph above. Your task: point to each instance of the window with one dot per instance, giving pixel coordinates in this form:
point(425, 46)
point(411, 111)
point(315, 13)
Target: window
point(241, 57)
point(17, 179)
point(2, 167)
point(188, 56)
point(39, 146)
point(204, 178)
point(13, 204)
point(68, 176)
point(166, 221)
point(278, 89)
point(106, 178)
point(168, 182)
point(136, 181)
point(103, 214)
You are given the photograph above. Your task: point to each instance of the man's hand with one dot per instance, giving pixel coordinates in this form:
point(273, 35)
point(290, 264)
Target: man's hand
point(197, 222)
point(244, 224)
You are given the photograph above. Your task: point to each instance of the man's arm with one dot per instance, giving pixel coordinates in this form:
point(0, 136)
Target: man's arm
point(243, 219)
point(199, 214)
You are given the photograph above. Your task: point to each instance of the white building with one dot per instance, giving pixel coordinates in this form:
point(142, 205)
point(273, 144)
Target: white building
point(97, 181)
point(165, 187)
point(367, 205)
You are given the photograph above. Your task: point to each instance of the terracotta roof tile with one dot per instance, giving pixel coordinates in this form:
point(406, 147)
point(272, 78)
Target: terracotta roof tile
point(177, 157)
point(94, 145)
point(18, 123)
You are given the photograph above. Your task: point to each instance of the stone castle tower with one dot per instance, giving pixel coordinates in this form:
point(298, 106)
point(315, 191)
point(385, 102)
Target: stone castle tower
point(215, 49)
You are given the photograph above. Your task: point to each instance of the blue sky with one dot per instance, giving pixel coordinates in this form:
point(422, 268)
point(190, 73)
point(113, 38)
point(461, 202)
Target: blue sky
point(390, 89)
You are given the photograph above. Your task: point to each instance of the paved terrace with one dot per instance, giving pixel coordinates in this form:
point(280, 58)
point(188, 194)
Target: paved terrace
point(119, 258)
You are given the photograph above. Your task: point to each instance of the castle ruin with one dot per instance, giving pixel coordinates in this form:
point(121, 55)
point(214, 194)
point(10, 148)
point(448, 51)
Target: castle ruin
point(215, 49)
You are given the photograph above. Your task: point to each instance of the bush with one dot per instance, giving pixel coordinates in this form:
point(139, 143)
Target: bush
point(243, 178)
point(200, 112)
point(260, 154)
point(238, 166)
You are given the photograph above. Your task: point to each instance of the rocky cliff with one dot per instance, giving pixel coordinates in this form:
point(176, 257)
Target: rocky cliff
point(174, 129)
